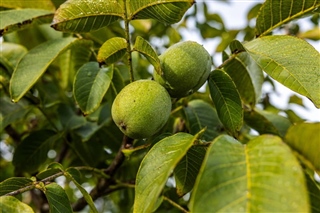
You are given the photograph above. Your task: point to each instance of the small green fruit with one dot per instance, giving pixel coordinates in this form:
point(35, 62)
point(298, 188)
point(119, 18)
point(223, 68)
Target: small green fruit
point(141, 109)
point(185, 68)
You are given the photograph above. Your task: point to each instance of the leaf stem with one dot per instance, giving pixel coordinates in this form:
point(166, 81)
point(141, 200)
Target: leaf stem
point(233, 56)
point(127, 35)
point(54, 176)
point(175, 204)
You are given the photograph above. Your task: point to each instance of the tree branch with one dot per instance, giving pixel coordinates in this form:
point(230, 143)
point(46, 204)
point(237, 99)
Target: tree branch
point(103, 186)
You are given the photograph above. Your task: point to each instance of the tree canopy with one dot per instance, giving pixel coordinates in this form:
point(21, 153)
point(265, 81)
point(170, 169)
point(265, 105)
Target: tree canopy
point(224, 148)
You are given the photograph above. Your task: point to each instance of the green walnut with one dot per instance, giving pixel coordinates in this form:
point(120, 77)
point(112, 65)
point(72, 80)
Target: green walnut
point(185, 68)
point(141, 109)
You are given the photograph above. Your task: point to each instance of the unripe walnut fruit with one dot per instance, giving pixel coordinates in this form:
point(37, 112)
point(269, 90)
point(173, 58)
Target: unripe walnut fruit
point(141, 109)
point(185, 68)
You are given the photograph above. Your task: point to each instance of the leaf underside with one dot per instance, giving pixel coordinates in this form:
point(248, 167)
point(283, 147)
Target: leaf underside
point(275, 13)
point(309, 149)
point(291, 61)
point(249, 178)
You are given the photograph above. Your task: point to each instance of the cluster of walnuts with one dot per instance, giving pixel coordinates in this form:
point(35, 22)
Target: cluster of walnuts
point(143, 107)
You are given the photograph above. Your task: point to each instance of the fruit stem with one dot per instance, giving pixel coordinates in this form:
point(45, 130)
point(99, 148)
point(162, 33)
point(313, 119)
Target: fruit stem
point(127, 35)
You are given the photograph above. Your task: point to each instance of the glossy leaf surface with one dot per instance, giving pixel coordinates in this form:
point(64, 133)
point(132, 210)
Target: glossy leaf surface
point(304, 138)
point(275, 13)
point(249, 178)
point(13, 205)
point(34, 64)
point(166, 11)
point(86, 15)
point(156, 167)
point(143, 47)
point(12, 20)
point(90, 85)
point(112, 50)
point(290, 61)
point(226, 99)
point(57, 199)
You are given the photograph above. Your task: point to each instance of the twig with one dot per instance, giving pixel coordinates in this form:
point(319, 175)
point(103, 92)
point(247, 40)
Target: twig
point(175, 204)
point(103, 186)
point(29, 187)
point(233, 56)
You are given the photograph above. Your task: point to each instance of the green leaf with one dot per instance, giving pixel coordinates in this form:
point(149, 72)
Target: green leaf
point(40, 4)
point(236, 47)
point(90, 85)
point(12, 53)
point(10, 112)
point(260, 123)
point(314, 194)
point(281, 123)
point(32, 151)
point(11, 204)
point(188, 168)
point(71, 60)
point(143, 47)
point(156, 167)
point(166, 11)
point(68, 117)
point(86, 15)
point(47, 173)
point(249, 178)
point(226, 99)
point(199, 115)
point(112, 50)
point(71, 173)
point(291, 61)
point(13, 184)
point(12, 20)
point(247, 76)
point(275, 13)
point(34, 64)
point(57, 199)
point(304, 138)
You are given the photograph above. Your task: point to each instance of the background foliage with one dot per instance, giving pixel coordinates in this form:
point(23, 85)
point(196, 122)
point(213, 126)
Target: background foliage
point(225, 148)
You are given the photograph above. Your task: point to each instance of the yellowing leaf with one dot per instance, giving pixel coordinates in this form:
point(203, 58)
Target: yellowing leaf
point(257, 177)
